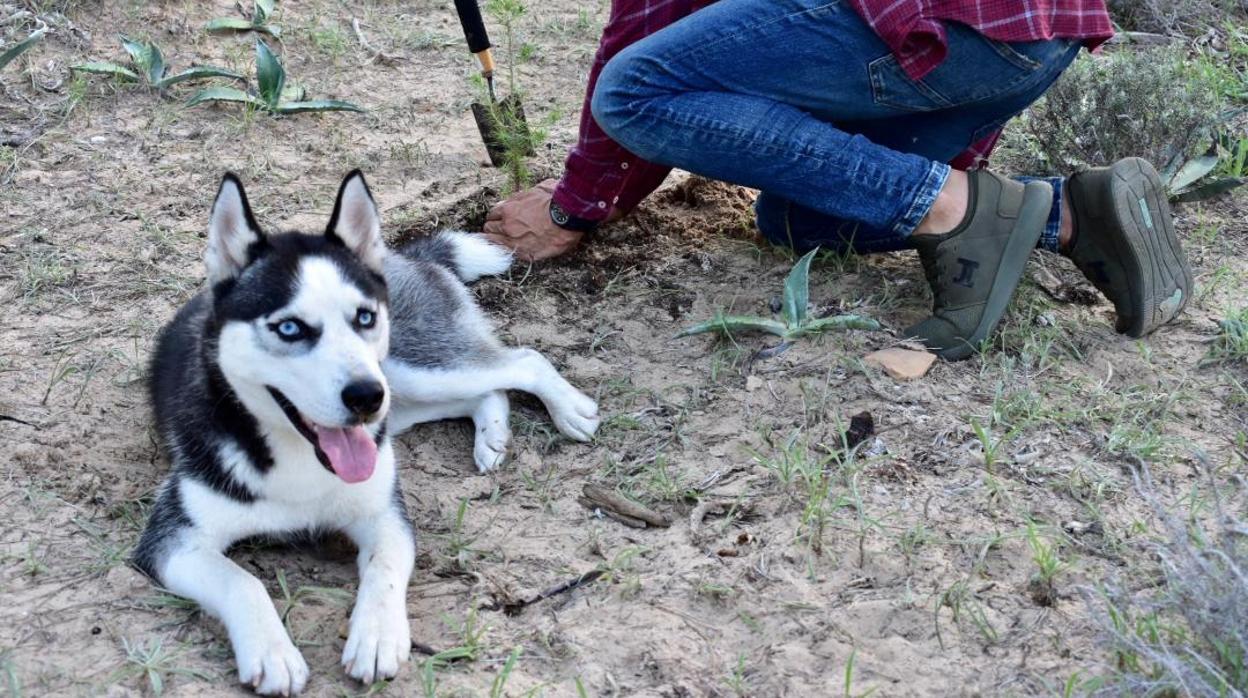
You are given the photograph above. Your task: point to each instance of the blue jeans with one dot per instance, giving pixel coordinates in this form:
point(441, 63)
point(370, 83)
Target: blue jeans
point(801, 100)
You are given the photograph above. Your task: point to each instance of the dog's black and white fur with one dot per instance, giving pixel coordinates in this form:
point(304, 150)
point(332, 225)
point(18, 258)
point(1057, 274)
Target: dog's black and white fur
point(276, 391)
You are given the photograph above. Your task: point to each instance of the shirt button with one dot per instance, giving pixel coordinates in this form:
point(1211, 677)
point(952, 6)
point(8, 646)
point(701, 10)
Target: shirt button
point(623, 165)
point(616, 200)
point(602, 204)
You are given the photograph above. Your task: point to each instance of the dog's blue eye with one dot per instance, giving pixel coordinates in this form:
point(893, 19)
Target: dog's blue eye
point(289, 329)
point(365, 318)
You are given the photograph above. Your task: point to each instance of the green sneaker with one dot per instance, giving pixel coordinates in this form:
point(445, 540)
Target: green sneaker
point(1125, 244)
point(975, 268)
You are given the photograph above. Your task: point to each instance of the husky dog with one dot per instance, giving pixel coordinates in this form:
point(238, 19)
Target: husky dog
point(276, 391)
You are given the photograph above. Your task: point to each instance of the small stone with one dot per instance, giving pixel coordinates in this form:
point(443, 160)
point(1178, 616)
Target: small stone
point(902, 364)
point(753, 383)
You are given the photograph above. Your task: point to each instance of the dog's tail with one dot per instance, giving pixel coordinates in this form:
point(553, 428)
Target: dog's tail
point(470, 255)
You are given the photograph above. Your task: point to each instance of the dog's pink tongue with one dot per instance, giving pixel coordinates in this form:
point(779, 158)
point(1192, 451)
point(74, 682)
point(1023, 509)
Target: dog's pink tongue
point(352, 452)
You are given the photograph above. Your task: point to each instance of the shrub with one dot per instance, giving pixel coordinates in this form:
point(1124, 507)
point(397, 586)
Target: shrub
point(1147, 103)
point(1187, 635)
point(1172, 16)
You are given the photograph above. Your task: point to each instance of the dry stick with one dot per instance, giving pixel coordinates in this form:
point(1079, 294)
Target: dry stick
point(608, 500)
point(516, 607)
point(626, 520)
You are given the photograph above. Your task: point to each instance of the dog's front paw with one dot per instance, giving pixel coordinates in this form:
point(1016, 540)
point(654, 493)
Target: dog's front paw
point(379, 641)
point(490, 451)
point(269, 662)
point(576, 416)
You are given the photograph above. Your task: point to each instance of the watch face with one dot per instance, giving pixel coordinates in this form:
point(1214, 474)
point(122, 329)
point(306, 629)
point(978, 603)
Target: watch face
point(558, 215)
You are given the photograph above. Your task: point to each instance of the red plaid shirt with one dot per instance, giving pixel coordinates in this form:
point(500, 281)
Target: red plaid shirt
point(600, 175)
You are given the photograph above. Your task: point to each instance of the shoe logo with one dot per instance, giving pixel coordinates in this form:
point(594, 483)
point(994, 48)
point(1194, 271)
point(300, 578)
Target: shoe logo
point(1148, 215)
point(966, 277)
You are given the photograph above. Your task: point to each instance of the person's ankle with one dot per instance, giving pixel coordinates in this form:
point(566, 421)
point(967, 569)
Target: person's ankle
point(1066, 235)
point(951, 208)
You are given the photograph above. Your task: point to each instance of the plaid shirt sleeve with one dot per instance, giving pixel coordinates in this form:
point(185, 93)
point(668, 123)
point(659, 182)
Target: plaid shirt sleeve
point(600, 175)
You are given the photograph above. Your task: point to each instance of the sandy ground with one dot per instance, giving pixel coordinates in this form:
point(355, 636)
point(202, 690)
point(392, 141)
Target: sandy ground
point(907, 569)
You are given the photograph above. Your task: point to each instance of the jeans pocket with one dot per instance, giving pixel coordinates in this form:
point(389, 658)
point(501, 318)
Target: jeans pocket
point(975, 69)
point(892, 87)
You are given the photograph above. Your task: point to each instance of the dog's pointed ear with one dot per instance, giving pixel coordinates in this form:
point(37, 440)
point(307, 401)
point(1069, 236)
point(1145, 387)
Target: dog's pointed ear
point(356, 222)
point(232, 230)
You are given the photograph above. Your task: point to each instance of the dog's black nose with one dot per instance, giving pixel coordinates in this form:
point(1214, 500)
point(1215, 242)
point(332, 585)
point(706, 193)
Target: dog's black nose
point(364, 397)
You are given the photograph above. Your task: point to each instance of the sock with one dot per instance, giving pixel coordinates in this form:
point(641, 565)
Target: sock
point(1052, 229)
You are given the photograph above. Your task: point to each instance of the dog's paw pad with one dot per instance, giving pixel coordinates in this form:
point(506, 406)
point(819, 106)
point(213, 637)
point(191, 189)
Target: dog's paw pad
point(275, 668)
point(378, 644)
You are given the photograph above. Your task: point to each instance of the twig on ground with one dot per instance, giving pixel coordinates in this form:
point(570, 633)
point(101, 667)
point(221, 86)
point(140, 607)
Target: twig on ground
point(515, 607)
point(611, 503)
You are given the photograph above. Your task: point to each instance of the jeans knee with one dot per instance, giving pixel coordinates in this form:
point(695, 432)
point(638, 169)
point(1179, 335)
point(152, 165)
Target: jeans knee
point(622, 90)
point(609, 104)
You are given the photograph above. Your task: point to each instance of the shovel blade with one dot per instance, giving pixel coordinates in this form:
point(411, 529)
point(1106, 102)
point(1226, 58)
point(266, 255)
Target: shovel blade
point(500, 124)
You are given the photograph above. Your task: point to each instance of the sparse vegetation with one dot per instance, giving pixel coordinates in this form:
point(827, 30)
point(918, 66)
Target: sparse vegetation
point(155, 663)
point(1231, 342)
point(1188, 634)
point(147, 65)
point(12, 52)
point(795, 319)
point(274, 94)
point(258, 21)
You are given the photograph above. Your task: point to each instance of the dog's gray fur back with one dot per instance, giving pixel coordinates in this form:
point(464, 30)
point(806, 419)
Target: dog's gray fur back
point(434, 321)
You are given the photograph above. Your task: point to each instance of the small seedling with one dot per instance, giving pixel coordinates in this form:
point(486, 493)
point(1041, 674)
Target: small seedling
point(147, 64)
point(152, 661)
point(796, 321)
point(261, 11)
point(1048, 566)
point(274, 94)
point(12, 52)
point(500, 681)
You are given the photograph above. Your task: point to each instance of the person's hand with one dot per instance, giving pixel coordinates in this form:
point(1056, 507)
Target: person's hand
point(522, 223)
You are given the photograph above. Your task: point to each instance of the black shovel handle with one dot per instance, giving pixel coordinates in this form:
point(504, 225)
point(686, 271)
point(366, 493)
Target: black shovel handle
point(474, 26)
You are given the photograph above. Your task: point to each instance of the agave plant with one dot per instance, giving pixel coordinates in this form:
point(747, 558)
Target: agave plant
point(1195, 179)
point(258, 22)
point(147, 64)
point(21, 47)
point(273, 94)
point(795, 313)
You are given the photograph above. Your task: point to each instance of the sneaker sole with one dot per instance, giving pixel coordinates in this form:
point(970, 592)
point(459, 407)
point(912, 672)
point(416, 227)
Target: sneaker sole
point(1159, 277)
point(1032, 216)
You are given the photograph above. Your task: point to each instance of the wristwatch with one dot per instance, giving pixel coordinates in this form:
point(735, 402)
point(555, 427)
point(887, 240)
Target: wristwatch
point(564, 220)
